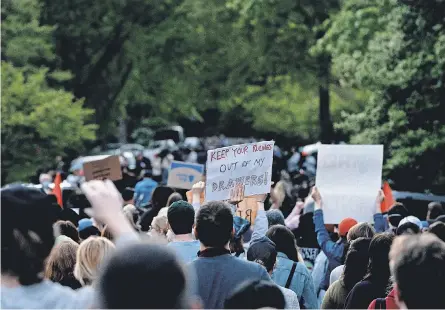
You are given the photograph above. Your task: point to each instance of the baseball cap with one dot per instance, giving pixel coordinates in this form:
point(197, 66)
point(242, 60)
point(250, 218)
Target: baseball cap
point(345, 225)
point(240, 226)
point(84, 223)
point(181, 217)
point(411, 219)
point(263, 251)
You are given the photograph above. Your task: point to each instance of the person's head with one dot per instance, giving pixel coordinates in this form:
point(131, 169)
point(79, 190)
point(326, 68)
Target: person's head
point(418, 267)
point(140, 268)
point(66, 228)
point(159, 226)
point(263, 252)
point(160, 196)
point(173, 198)
point(275, 217)
point(148, 174)
point(128, 195)
point(90, 255)
point(214, 224)
point(435, 209)
point(407, 228)
point(396, 213)
point(412, 219)
point(27, 218)
point(356, 262)
point(285, 241)
point(132, 214)
point(45, 179)
point(60, 264)
point(360, 230)
point(345, 225)
point(438, 229)
point(256, 294)
point(87, 229)
point(378, 268)
point(181, 217)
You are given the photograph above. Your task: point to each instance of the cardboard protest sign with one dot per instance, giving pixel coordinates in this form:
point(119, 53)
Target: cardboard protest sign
point(184, 175)
point(108, 167)
point(247, 209)
point(349, 178)
point(249, 164)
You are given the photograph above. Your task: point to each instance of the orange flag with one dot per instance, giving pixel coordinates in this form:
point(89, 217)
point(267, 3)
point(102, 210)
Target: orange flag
point(57, 191)
point(389, 199)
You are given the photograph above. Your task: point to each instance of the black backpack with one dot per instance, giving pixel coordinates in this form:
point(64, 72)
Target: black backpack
point(289, 280)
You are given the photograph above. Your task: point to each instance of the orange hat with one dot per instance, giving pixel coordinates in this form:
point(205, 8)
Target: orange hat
point(345, 226)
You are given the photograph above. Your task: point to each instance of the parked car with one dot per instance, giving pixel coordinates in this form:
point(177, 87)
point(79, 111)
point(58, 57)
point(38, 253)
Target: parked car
point(175, 133)
point(417, 203)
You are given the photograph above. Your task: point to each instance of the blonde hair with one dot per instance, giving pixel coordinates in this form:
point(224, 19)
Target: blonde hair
point(90, 255)
point(279, 193)
point(160, 224)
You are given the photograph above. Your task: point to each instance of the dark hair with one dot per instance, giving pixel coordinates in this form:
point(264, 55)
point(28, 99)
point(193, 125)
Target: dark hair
point(396, 213)
point(27, 237)
point(408, 228)
point(66, 228)
point(255, 295)
point(140, 268)
point(438, 229)
point(128, 194)
point(148, 173)
point(435, 210)
point(378, 268)
point(173, 198)
point(419, 270)
point(60, 264)
point(356, 262)
point(284, 241)
point(214, 224)
point(88, 232)
point(264, 253)
point(181, 217)
point(160, 196)
point(275, 217)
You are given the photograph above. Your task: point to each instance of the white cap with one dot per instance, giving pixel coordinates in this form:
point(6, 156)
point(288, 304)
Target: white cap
point(411, 219)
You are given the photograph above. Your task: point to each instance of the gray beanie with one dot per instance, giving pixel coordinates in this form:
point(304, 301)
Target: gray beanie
point(274, 217)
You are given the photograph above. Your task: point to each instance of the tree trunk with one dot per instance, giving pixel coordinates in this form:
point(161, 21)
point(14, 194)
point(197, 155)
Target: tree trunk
point(122, 130)
point(326, 127)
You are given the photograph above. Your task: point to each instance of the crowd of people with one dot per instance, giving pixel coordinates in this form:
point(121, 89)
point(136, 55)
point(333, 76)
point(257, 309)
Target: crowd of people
point(154, 247)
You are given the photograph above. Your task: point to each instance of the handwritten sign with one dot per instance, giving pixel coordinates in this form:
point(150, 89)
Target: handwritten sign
point(249, 164)
point(184, 175)
point(349, 177)
point(247, 209)
point(106, 168)
point(309, 255)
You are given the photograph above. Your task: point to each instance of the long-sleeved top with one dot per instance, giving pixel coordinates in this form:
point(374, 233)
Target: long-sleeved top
point(301, 282)
point(363, 294)
point(335, 296)
point(319, 270)
point(290, 298)
point(333, 250)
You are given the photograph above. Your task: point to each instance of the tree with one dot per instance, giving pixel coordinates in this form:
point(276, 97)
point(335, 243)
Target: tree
point(395, 49)
point(38, 121)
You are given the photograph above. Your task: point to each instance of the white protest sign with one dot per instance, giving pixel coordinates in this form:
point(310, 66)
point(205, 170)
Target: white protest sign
point(250, 164)
point(348, 178)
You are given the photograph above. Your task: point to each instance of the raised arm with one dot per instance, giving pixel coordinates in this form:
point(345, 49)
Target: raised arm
point(197, 190)
point(379, 221)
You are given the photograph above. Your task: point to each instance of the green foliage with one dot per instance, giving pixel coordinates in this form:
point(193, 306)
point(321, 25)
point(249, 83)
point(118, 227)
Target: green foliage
point(397, 52)
point(38, 121)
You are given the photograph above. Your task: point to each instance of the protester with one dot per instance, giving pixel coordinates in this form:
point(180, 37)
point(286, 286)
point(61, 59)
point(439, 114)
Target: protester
point(407, 228)
point(173, 198)
point(144, 189)
point(158, 201)
point(361, 230)
point(128, 196)
point(159, 228)
point(181, 219)
point(395, 214)
point(438, 229)
point(27, 238)
point(218, 273)
point(140, 269)
point(291, 271)
point(90, 255)
point(418, 267)
point(263, 252)
point(66, 228)
point(240, 227)
point(256, 294)
point(435, 209)
point(356, 264)
point(132, 215)
point(87, 229)
point(376, 283)
point(60, 264)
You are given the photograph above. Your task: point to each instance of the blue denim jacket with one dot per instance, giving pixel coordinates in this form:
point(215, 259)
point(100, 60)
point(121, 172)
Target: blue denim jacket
point(143, 191)
point(301, 283)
